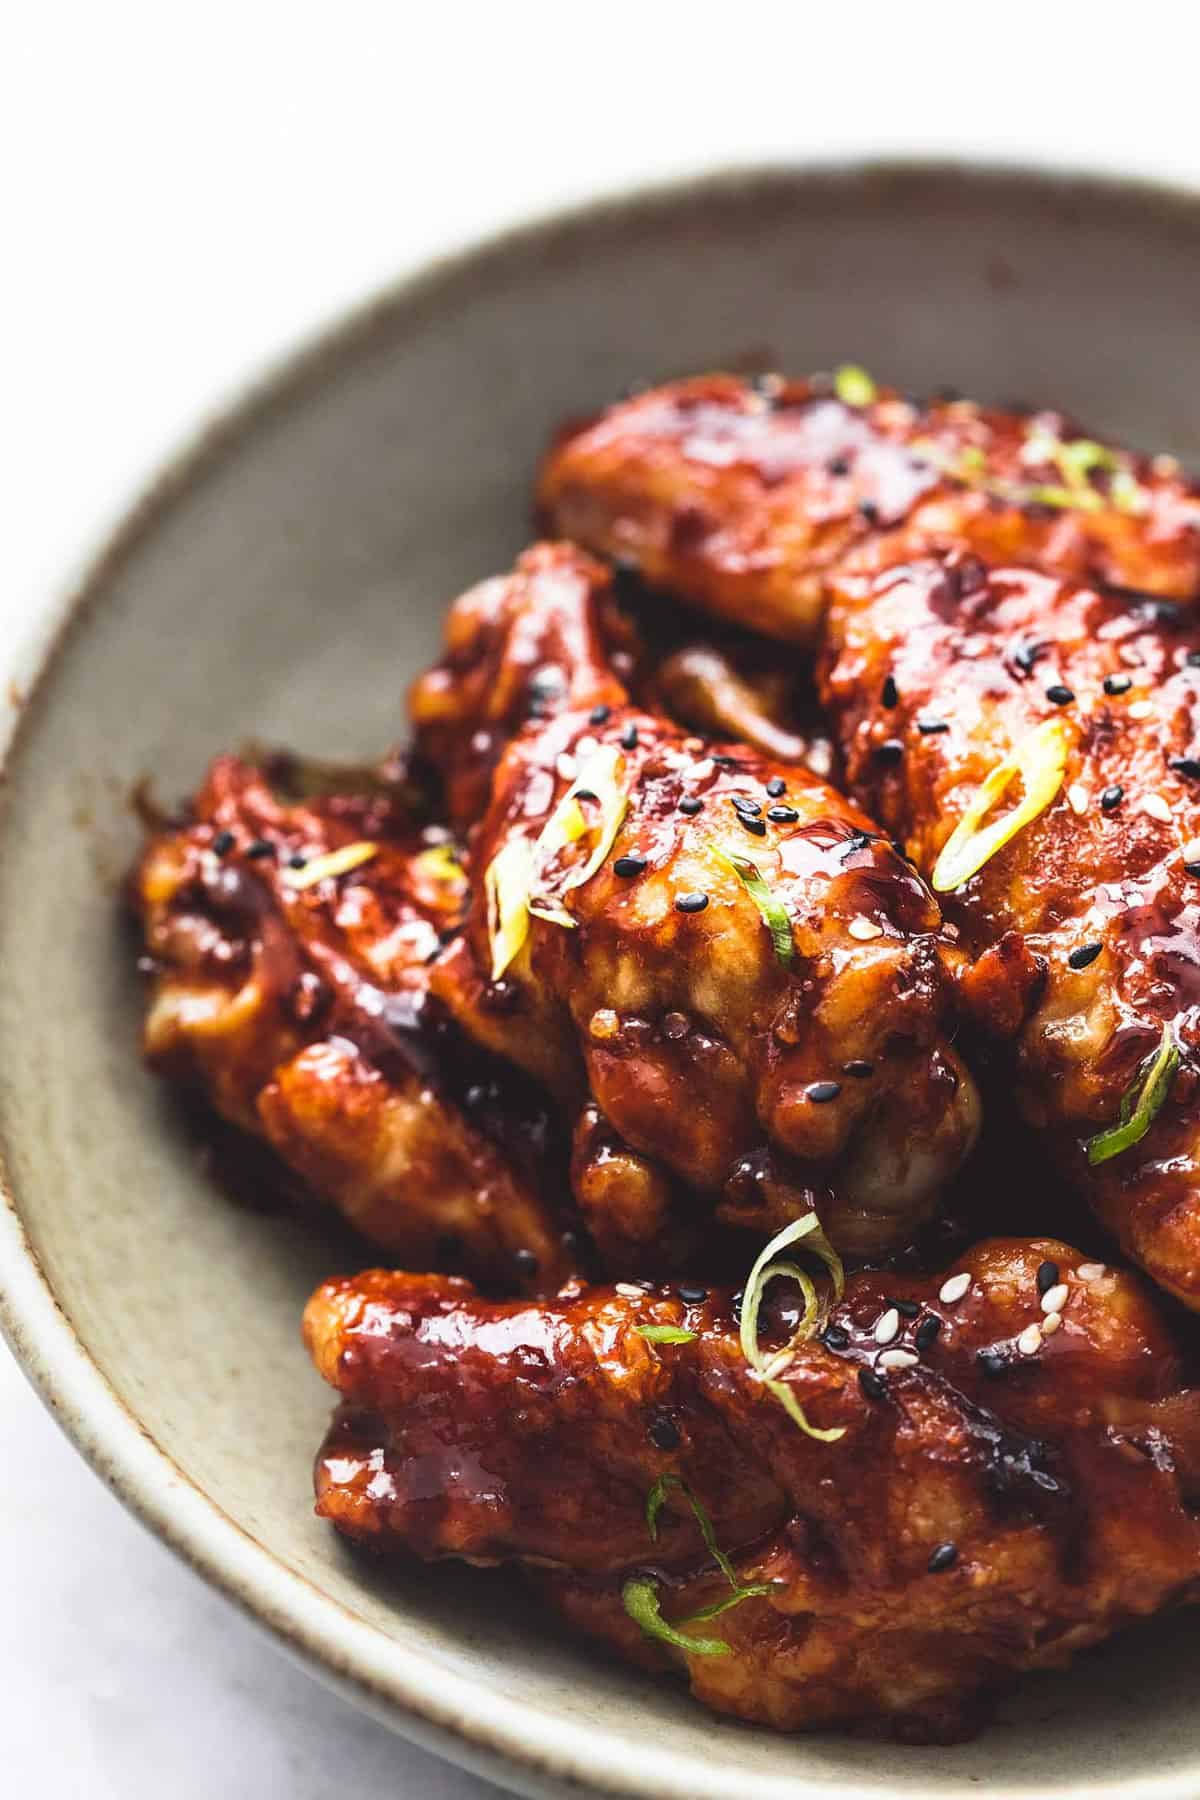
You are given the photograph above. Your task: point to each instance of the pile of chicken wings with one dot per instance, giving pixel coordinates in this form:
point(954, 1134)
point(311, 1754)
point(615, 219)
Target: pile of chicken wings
point(781, 933)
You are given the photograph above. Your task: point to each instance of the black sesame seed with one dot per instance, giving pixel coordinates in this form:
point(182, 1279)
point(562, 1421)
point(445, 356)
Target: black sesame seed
point(691, 903)
point(1058, 695)
point(869, 512)
point(756, 827)
point(629, 737)
point(744, 804)
point(821, 1091)
point(223, 843)
point(859, 1069)
point(260, 847)
point(1025, 655)
point(526, 1261)
point(1187, 766)
point(834, 1338)
point(890, 695)
point(873, 1386)
point(297, 861)
point(782, 815)
point(1117, 684)
point(776, 787)
point(691, 806)
point(1086, 953)
point(930, 727)
point(1111, 797)
point(663, 1432)
point(693, 1295)
point(599, 715)
point(582, 793)
point(629, 865)
point(943, 1557)
point(548, 683)
point(1192, 869)
point(1192, 659)
point(735, 1303)
point(1047, 1277)
point(927, 1332)
point(993, 1363)
point(537, 707)
point(908, 1309)
point(890, 751)
point(839, 466)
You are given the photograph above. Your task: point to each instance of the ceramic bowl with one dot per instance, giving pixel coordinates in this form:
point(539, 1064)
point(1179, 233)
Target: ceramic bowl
point(283, 581)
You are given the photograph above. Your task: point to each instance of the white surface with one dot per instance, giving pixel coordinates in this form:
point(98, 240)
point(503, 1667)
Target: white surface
point(188, 192)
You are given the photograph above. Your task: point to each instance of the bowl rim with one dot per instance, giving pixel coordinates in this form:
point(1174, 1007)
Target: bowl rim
point(510, 1741)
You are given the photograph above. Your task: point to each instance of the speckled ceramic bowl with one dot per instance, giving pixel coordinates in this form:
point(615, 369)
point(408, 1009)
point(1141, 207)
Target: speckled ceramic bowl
point(284, 580)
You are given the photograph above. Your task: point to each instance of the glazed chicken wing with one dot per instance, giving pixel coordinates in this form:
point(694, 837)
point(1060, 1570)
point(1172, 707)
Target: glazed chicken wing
point(713, 961)
point(288, 947)
point(1016, 1478)
point(1084, 922)
point(744, 496)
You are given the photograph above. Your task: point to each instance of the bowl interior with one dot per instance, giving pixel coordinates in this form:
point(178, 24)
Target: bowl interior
point(285, 584)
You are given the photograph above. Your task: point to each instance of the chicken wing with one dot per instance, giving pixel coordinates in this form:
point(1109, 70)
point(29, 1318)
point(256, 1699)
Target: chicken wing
point(718, 952)
point(1017, 1476)
point(743, 496)
point(1084, 921)
point(288, 947)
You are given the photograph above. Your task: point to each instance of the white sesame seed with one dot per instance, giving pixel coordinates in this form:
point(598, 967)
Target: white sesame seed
point(1051, 1323)
point(1141, 709)
point(1055, 1298)
point(896, 1359)
point(627, 1289)
point(1030, 1340)
point(565, 765)
point(1191, 850)
point(863, 929)
point(1077, 798)
point(586, 745)
point(954, 1289)
point(1091, 1271)
point(887, 1325)
point(820, 758)
point(1155, 807)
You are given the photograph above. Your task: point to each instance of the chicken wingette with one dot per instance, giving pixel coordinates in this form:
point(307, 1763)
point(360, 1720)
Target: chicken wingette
point(719, 967)
point(288, 948)
point(744, 496)
point(1016, 1478)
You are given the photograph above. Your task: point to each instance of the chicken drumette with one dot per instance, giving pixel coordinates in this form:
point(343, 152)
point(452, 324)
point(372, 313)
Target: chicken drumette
point(713, 961)
point(288, 946)
point(1016, 1478)
point(743, 496)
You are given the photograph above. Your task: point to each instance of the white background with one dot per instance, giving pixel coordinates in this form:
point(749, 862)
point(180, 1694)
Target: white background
point(186, 191)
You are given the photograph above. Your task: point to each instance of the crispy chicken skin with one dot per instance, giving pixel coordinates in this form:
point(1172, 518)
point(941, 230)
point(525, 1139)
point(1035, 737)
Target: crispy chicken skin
point(303, 1015)
point(994, 1505)
point(743, 496)
point(749, 1075)
point(1107, 875)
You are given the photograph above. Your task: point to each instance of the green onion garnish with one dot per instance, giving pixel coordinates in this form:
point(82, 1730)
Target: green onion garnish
point(334, 863)
point(1139, 1103)
point(640, 1600)
point(853, 386)
point(640, 1596)
point(1041, 762)
point(597, 777)
point(774, 914)
point(506, 885)
point(665, 1334)
point(764, 1271)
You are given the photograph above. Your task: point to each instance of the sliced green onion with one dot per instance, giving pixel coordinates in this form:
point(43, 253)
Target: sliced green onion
point(640, 1597)
point(772, 909)
point(441, 863)
point(1077, 499)
point(335, 862)
point(1041, 762)
point(812, 1318)
point(665, 1334)
point(506, 885)
point(853, 386)
point(599, 775)
point(1139, 1103)
point(640, 1600)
